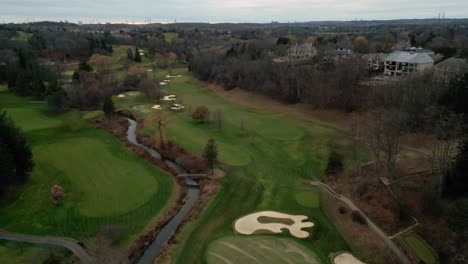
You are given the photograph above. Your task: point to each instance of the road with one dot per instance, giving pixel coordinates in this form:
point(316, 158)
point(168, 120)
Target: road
point(68, 243)
point(391, 245)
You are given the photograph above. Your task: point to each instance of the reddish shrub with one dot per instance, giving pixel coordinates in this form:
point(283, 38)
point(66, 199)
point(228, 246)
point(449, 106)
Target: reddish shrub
point(342, 210)
point(358, 218)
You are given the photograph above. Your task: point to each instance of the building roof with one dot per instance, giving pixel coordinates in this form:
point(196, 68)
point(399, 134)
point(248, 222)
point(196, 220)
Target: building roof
point(453, 64)
point(409, 57)
point(375, 56)
point(418, 50)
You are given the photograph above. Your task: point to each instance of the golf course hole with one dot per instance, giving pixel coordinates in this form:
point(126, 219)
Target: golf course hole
point(274, 222)
point(346, 258)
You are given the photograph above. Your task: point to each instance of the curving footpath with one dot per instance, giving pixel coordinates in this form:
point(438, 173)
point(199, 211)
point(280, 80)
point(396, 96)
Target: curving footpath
point(391, 245)
point(71, 244)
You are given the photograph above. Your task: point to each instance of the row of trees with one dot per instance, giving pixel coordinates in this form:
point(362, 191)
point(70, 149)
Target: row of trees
point(15, 155)
point(253, 70)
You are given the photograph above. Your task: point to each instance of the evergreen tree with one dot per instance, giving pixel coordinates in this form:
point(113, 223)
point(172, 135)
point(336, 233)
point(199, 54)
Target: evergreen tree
point(137, 55)
point(108, 106)
point(210, 155)
point(13, 141)
point(130, 54)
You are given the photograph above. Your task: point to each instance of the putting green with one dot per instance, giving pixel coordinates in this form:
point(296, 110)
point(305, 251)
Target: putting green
point(101, 181)
point(258, 249)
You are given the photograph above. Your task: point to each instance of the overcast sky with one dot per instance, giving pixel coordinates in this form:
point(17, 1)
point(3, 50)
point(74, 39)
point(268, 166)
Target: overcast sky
point(226, 10)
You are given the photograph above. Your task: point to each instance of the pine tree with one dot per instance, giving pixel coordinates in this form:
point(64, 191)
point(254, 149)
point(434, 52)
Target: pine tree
point(130, 54)
point(210, 155)
point(108, 106)
point(137, 55)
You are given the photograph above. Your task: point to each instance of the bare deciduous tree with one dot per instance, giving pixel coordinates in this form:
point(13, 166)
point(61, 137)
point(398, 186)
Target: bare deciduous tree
point(385, 128)
point(160, 119)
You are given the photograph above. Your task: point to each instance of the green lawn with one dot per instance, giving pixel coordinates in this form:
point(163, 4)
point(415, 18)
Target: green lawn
point(171, 36)
point(21, 253)
point(247, 250)
point(420, 248)
point(269, 165)
point(104, 182)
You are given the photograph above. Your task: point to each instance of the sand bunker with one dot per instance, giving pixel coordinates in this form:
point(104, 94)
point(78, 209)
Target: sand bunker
point(169, 98)
point(273, 222)
point(173, 76)
point(346, 258)
point(121, 96)
point(157, 107)
point(133, 93)
point(177, 107)
point(163, 83)
point(166, 81)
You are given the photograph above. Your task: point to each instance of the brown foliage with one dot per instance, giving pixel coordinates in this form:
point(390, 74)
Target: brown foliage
point(56, 193)
point(357, 217)
point(201, 114)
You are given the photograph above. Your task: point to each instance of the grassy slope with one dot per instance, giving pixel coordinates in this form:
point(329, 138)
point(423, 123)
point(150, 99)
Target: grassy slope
point(21, 253)
point(246, 250)
point(283, 155)
point(420, 248)
point(104, 183)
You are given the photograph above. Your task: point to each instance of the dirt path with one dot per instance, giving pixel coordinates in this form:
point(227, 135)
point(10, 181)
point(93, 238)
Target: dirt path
point(391, 245)
point(68, 243)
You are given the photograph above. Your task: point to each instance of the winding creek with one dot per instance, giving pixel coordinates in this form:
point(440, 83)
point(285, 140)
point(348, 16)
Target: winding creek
point(193, 192)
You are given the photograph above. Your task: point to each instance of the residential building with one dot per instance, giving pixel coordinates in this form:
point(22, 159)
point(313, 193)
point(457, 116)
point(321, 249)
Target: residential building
point(375, 61)
point(303, 52)
point(402, 63)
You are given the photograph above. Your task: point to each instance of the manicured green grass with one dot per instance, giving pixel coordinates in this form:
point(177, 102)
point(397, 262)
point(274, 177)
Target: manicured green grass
point(170, 36)
point(259, 249)
point(269, 165)
point(104, 182)
point(19, 253)
point(420, 248)
point(23, 36)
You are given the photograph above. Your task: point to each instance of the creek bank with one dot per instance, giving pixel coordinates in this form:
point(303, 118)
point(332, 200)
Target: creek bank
point(156, 238)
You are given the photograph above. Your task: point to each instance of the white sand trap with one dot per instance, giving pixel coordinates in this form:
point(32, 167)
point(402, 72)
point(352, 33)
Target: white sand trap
point(157, 107)
point(346, 258)
point(177, 107)
point(166, 81)
point(163, 83)
point(250, 224)
point(169, 98)
point(150, 70)
point(121, 96)
point(133, 93)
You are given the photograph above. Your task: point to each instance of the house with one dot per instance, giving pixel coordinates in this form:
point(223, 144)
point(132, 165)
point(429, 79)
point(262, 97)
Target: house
point(330, 58)
point(450, 68)
point(402, 63)
point(375, 61)
point(303, 52)
point(419, 50)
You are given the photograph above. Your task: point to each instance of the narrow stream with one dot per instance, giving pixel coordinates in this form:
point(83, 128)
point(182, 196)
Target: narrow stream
point(193, 192)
